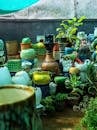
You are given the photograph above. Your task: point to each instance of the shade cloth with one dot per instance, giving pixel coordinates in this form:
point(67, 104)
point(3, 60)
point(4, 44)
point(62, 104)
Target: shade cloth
point(9, 6)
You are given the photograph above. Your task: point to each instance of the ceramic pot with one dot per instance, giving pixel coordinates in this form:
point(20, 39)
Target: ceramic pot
point(56, 47)
point(41, 77)
point(5, 76)
point(59, 79)
point(21, 77)
point(28, 54)
point(73, 70)
point(25, 46)
point(52, 88)
point(38, 96)
point(50, 64)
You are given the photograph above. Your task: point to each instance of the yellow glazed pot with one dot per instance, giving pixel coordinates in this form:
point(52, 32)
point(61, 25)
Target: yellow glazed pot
point(41, 77)
point(73, 70)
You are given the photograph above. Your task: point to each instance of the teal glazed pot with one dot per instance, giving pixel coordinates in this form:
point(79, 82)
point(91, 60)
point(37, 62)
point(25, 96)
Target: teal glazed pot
point(28, 54)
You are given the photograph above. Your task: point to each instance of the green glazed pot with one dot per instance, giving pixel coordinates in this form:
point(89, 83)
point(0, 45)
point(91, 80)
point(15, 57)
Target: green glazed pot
point(28, 54)
point(26, 40)
point(59, 79)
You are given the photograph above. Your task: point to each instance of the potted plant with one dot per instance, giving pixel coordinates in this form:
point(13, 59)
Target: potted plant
point(75, 84)
point(91, 73)
point(89, 121)
point(48, 104)
point(91, 79)
point(60, 101)
point(68, 29)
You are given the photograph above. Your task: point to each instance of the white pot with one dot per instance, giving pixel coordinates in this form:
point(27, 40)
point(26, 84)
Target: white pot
point(23, 74)
point(19, 80)
point(5, 77)
point(52, 88)
point(21, 77)
point(95, 31)
point(38, 96)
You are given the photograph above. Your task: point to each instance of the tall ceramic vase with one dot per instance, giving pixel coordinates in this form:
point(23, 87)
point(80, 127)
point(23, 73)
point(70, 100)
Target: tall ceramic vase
point(49, 63)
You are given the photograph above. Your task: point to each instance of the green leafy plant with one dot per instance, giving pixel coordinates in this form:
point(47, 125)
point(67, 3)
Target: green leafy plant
point(68, 29)
point(91, 79)
point(48, 103)
point(75, 95)
point(74, 83)
point(90, 117)
point(61, 96)
point(60, 101)
point(91, 73)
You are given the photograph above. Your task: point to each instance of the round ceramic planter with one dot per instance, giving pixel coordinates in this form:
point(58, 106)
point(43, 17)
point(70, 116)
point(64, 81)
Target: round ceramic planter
point(41, 77)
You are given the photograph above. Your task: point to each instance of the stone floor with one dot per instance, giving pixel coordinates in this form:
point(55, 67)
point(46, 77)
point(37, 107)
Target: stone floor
point(66, 120)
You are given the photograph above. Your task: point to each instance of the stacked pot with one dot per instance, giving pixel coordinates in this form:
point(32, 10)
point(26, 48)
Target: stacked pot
point(40, 53)
point(27, 53)
point(42, 79)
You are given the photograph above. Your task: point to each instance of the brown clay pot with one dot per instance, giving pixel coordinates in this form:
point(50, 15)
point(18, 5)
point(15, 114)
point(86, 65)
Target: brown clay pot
point(25, 46)
point(50, 64)
point(56, 54)
point(56, 47)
